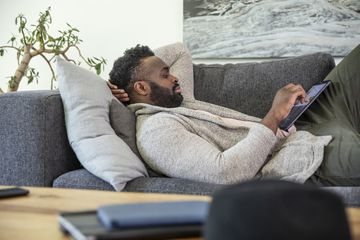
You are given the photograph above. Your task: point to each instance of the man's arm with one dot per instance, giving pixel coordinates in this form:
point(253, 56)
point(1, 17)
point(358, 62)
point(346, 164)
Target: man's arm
point(172, 147)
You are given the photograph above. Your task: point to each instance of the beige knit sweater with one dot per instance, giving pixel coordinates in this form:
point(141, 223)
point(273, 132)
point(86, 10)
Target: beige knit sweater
point(185, 143)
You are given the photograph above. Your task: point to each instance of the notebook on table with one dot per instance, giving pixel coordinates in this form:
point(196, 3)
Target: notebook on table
point(158, 220)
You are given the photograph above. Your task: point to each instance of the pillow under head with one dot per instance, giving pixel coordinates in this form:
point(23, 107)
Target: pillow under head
point(87, 102)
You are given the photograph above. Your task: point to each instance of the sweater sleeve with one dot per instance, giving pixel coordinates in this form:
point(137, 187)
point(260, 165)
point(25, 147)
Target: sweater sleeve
point(172, 148)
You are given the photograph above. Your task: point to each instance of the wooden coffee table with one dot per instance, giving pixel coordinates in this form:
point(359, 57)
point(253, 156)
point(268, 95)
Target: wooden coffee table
point(35, 216)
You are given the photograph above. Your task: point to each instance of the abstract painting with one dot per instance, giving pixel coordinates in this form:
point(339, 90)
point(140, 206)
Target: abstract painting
point(270, 28)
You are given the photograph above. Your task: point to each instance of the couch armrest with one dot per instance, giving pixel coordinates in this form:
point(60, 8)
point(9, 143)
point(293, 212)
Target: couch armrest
point(34, 148)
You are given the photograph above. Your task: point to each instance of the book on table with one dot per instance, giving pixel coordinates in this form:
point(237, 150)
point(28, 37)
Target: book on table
point(152, 220)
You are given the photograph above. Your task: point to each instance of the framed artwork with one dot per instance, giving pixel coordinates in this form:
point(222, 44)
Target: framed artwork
point(270, 28)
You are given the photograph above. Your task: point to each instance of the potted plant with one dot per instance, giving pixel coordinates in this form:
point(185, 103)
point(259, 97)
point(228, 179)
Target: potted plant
point(37, 42)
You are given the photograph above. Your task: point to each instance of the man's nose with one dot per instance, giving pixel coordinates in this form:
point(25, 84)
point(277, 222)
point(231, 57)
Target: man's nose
point(174, 79)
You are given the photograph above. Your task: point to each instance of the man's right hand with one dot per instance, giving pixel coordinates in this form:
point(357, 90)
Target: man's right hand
point(118, 93)
point(282, 104)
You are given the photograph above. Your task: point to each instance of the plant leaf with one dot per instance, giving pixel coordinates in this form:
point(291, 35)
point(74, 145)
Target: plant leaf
point(30, 79)
point(98, 68)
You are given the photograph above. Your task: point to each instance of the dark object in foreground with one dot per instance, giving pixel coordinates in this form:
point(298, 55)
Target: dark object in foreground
point(13, 192)
point(273, 209)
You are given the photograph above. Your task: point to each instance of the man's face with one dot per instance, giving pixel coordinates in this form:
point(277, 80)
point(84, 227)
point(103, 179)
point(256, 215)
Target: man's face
point(165, 90)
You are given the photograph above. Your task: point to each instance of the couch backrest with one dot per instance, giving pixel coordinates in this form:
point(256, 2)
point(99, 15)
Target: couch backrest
point(34, 148)
point(251, 87)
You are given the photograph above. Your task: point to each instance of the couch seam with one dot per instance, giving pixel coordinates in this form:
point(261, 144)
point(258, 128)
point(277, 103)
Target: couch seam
point(46, 139)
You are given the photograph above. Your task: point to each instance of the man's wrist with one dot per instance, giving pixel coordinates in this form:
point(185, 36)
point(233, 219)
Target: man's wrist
point(271, 121)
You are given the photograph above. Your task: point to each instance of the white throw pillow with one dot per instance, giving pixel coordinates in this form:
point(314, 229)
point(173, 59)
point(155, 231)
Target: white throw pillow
point(87, 100)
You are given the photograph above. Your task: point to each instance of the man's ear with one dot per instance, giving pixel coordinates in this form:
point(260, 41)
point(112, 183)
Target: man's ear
point(142, 88)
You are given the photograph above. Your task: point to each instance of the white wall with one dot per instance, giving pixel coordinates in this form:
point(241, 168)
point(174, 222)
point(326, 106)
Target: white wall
point(107, 27)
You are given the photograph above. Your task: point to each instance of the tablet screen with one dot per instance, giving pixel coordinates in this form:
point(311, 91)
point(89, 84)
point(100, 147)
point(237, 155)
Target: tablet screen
point(299, 108)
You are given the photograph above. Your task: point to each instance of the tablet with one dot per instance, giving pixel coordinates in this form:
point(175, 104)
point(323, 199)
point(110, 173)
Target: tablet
point(300, 108)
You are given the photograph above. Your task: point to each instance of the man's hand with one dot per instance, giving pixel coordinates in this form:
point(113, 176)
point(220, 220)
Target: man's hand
point(118, 93)
point(282, 104)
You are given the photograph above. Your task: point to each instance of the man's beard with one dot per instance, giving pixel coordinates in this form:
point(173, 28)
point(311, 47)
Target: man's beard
point(162, 97)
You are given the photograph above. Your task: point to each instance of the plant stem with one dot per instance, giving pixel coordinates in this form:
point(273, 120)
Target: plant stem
point(80, 54)
point(51, 68)
point(20, 71)
point(17, 49)
point(24, 37)
point(67, 59)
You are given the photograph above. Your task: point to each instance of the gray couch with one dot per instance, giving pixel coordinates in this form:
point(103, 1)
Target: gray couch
point(34, 148)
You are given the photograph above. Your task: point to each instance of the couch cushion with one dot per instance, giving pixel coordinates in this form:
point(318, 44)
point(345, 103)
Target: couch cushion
point(170, 185)
point(83, 179)
point(87, 101)
point(251, 87)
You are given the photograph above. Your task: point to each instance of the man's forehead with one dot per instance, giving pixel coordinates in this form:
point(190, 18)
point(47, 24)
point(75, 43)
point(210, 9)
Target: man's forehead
point(154, 62)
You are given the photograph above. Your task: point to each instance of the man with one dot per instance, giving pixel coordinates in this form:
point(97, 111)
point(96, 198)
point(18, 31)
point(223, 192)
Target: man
point(200, 141)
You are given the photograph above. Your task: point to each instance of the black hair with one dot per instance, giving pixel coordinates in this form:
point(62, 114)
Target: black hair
point(124, 68)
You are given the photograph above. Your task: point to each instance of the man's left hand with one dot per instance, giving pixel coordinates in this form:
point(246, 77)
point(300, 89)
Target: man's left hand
point(118, 92)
